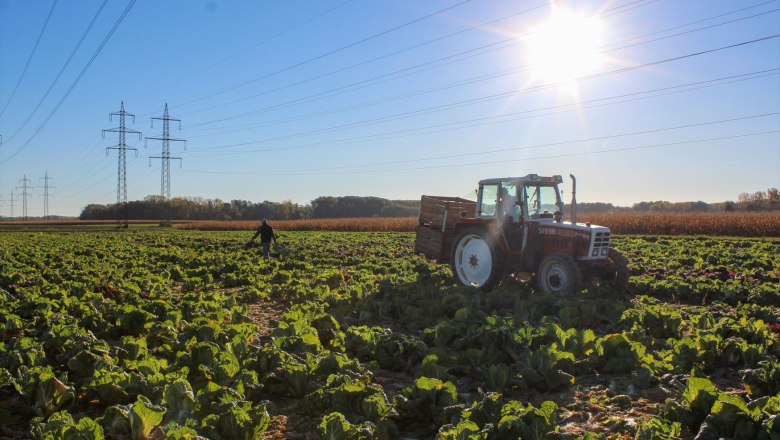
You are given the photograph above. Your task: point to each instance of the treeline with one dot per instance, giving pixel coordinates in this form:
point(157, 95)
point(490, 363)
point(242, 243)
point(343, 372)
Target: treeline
point(746, 202)
point(197, 208)
point(157, 207)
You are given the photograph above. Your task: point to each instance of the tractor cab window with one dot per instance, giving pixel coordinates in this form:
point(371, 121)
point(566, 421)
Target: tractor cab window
point(542, 201)
point(488, 200)
point(509, 203)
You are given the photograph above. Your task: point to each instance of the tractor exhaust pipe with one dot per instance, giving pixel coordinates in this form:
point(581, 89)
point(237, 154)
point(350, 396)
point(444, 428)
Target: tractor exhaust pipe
point(573, 199)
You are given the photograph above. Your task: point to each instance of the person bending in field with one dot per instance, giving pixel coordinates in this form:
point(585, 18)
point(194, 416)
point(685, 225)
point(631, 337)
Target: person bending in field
point(266, 233)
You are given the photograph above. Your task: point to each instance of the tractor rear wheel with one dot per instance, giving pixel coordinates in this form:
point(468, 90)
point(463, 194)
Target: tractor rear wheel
point(476, 260)
point(559, 275)
point(620, 266)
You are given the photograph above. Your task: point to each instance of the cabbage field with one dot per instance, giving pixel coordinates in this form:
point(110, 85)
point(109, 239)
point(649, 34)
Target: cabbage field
point(152, 334)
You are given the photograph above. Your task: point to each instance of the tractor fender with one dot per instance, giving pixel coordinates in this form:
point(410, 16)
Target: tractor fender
point(491, 226)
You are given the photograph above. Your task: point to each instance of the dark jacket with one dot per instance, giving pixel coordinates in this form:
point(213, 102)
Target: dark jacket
point(266, 233)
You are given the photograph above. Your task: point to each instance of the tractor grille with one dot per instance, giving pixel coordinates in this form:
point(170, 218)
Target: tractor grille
point(600, 244)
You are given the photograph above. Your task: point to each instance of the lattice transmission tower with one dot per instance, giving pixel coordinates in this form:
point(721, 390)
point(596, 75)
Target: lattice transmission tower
point(165, 157)
point(24, 195)
point(11, 202)
point(46, 195)
point(121, 147)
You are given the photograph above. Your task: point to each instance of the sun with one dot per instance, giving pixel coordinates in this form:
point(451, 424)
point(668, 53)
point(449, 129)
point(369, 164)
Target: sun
point(565, 48)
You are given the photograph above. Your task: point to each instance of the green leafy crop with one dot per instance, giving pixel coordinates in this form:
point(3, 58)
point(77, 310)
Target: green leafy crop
point(150, 333)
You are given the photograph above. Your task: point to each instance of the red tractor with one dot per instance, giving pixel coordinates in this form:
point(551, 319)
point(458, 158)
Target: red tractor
point(517, 226)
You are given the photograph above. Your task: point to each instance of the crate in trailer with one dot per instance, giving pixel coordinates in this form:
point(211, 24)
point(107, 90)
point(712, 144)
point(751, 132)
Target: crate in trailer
point(434, 231)
point(440, 212)
point(430, 242)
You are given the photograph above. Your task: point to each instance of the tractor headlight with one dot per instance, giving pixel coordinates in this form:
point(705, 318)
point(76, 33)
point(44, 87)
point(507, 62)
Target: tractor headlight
point(604, 252)
point(595, 253)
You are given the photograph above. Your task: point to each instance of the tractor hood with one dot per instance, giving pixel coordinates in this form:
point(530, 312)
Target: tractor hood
point(579, 227)
point(585, 227)
point(596, 237)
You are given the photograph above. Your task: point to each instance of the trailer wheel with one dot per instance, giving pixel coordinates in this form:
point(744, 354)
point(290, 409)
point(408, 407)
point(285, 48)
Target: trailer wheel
point(620, 266)
point(476, 260)
point(559, 275)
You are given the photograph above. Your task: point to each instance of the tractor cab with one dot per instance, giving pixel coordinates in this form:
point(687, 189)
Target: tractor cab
point(515, 200)
point(517, 203)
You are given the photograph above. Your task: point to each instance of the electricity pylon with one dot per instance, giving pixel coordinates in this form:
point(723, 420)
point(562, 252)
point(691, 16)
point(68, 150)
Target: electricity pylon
point(121, 147)
point(24, 196)
point(165, 157)
point(11, 201)
point(45, 195)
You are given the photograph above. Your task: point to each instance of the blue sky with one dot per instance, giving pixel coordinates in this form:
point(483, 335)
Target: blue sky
point(291, 100)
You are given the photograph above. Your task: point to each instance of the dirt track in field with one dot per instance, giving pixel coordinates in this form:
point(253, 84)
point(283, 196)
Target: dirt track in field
point(288, 421)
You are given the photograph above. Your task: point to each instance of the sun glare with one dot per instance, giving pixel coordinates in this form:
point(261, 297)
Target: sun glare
point(565, 48)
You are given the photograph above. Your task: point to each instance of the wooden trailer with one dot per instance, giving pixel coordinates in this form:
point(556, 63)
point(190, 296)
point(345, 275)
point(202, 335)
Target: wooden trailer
point(437, 215)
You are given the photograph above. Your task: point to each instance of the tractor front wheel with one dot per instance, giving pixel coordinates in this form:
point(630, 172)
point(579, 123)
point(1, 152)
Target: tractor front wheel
point(476, 259)
point(559, 275)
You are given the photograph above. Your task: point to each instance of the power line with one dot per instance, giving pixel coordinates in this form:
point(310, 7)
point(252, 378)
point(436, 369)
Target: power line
point(551, 144)
point(362, 63)
point(476, 122)
point(452, 85)
point(707, 19)
point(499, 95)
point(254, 46)
point(326, 54)
point(449, 86)
point(97, 171)
point(29, 59)
point(722, 14)
point(78, 157)
point(588, 153)
point(504, 160)
point(67, 62)
point(498, 150)
point(502, 95)
point(60, 181)
point(134, 180)
point(75, 81)
point(92, 184)
point(491, 47)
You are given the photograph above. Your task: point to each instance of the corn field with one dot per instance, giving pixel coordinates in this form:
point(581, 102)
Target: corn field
point(402, 224)
point(720, 224)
